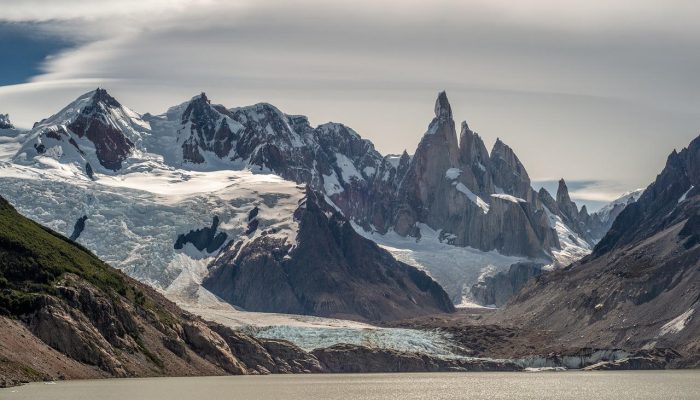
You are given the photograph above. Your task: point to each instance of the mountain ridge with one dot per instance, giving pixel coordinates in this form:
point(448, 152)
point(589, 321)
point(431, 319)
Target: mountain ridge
point(639, 288)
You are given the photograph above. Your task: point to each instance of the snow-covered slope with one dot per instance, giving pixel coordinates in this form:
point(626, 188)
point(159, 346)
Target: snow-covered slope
point(455, 268)
point(134, 219)
point(610, 211)
point(93, 133)
point(11, 138)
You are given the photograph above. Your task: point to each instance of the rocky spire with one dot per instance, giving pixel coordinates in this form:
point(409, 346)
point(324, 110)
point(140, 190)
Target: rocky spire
point(546, 198)
point(472, 150)
point(563, 192)
point(475, 162)
point(5, 122)
point(423, 191)
point(508, 172)
point(567, 207)
point(443, 110)
point(100, 96)
point(443, 127)
point(403, 165)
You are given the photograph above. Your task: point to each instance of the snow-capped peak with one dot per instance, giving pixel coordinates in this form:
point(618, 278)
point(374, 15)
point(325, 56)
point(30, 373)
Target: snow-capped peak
point(5, 122)
point(94, 132)
point(610, 211)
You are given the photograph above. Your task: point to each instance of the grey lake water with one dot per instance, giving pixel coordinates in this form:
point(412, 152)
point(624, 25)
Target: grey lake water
point(665, 385)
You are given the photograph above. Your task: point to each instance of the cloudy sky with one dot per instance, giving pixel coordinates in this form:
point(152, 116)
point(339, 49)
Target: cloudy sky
point(598, 92)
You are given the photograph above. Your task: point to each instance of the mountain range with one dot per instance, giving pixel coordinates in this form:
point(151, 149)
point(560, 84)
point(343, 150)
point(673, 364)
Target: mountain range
point(472, 199)
point(232, 211)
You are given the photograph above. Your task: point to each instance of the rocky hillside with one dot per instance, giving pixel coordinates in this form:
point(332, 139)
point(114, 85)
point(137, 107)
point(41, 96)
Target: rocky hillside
point(641, 286)
point(496, 290)
point(329, 270)
point(66, 314)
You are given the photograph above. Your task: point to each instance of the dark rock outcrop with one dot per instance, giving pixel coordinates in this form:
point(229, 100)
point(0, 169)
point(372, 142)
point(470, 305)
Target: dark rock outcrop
point(78, 227)
point(330, 271)
point(499, 288)
point(5, 122)
point(112, 147)
point(203, 239)
point(360, 359)
point(209, 131)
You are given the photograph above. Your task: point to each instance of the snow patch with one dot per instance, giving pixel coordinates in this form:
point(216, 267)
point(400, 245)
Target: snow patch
point(685, 195)
point(331, 185)
point(453, 173)
point(573, 247)
point(508, 197)
point(455, 268)
point(347, 168)
point(471, 196)
point(677, 324)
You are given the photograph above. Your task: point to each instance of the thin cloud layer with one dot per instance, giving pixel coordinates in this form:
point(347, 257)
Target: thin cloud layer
point(584, 90)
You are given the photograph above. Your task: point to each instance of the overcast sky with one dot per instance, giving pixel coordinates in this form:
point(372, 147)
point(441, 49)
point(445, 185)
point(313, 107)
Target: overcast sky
point(597, 92)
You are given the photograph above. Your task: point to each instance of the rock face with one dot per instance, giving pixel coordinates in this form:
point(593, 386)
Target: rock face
point(5, 122)
point(641, 285)
point(359, 359)
point(498, 289)
point(329, 271)
point(203, 239)
point(78, 227)
point(476, 199)
point(95, 131)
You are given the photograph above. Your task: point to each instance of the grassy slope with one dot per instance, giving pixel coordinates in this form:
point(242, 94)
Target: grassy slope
point(33, 258)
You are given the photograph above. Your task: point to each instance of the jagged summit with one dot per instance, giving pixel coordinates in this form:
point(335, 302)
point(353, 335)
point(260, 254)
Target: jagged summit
point(563, 193)
point(671, 200)
point(100, 95)
point(94, 132)
point(202, 97)
point(442, 106)
point(450, 186)
point(5, 122)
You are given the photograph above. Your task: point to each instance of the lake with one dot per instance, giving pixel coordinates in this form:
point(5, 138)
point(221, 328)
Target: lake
point(667, 385)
